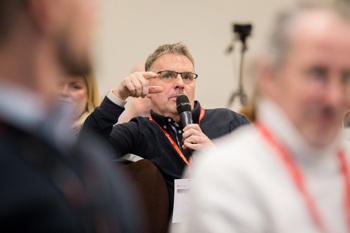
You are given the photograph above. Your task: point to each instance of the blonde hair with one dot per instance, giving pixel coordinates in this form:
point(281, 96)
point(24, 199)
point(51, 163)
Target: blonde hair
point(93, 101)
point(92, 90)
point(279, 40)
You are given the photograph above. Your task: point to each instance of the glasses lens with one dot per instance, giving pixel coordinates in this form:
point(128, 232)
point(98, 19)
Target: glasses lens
point(188, 77)
point(167, 76)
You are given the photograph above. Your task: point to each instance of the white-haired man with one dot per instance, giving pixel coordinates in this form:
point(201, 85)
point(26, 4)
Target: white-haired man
point(289, 173)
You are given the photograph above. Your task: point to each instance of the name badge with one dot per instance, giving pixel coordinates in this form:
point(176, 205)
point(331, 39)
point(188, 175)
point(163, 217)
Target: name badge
point(182, 188)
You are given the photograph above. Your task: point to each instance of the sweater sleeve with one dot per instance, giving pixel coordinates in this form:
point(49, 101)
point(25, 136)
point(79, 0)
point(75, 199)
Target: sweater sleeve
point(102, 122)
point(102, 119)
point(237, 121)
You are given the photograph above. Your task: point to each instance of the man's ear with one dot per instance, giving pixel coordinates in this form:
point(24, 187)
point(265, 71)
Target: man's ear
point(45, 15)
point(266, 76)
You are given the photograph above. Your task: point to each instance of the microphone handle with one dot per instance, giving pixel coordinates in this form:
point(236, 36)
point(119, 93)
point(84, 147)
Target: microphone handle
point(186, 118)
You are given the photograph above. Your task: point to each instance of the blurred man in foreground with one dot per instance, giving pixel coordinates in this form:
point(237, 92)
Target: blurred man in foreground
point(290, 173)
point(49, 184)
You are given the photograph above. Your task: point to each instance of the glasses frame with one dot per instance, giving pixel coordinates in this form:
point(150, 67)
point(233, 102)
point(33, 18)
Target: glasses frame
point(179, 73)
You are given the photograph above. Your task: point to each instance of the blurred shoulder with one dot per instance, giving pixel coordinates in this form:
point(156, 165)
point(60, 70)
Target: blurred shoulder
point(233, 150)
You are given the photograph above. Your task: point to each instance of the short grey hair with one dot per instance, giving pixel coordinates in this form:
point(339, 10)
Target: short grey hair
point(282, 32)
point(178, 48)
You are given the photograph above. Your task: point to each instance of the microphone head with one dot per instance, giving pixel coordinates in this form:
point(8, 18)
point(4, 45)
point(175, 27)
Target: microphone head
point(183, 104)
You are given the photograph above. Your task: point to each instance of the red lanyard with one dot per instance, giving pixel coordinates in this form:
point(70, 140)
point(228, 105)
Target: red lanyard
point(173, 143)
point(299, 180)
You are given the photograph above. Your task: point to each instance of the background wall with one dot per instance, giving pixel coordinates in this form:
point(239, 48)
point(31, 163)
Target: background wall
point(129, 30)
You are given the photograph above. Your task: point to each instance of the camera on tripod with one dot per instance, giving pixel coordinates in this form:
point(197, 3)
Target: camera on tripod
point(243, 31)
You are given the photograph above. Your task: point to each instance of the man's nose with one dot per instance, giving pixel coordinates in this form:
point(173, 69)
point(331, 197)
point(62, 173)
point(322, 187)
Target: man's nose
point(179, 81)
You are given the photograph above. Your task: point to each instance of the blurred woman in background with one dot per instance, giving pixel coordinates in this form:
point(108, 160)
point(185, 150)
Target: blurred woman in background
point(80, 95)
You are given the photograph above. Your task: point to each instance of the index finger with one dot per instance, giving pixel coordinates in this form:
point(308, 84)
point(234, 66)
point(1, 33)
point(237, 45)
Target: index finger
point(149, 74)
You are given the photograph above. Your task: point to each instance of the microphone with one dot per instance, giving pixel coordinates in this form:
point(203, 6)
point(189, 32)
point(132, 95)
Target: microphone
point(183, 107)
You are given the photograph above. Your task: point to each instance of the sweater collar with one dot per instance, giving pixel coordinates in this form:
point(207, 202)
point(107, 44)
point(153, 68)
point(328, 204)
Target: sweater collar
point(163, 120)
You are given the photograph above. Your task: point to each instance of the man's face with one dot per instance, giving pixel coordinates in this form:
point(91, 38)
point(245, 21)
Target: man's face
point(74, 39)
point(313, 84)
point(164, 103)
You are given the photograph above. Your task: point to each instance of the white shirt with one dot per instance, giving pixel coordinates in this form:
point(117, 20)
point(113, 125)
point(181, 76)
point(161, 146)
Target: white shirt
point(244, 187)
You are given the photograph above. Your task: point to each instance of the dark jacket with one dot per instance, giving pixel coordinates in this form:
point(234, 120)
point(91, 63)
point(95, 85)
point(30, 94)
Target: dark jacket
point(73, 188)
point(143, 137)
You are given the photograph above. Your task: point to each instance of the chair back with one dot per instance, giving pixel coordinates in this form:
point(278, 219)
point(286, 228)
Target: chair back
point(153, 193)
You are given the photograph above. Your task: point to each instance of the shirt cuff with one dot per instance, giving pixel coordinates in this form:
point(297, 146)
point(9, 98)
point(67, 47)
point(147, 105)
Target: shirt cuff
point(115, 99)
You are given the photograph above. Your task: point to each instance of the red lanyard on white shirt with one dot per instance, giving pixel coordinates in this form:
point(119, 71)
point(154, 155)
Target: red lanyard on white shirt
point(173, 143)
point(299, 180)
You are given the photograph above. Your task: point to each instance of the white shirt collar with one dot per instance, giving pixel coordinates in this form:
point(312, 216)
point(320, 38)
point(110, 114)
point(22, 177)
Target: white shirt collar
point(25, 110)
point(20, 107)
point(275, 119)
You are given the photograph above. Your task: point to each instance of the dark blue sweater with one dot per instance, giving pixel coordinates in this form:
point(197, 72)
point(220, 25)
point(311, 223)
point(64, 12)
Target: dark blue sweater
point(144, 138)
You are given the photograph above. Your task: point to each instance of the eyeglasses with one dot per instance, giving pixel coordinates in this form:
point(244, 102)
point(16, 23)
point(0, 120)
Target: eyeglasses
point(169, 76)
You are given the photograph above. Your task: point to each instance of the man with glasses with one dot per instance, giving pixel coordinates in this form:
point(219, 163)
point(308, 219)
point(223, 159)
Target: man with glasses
point(160, 138)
